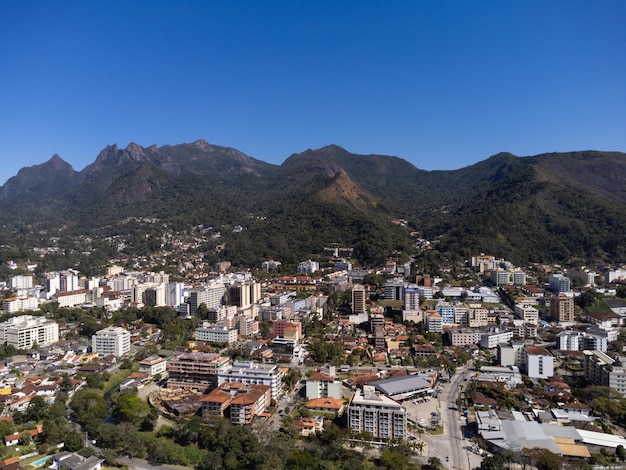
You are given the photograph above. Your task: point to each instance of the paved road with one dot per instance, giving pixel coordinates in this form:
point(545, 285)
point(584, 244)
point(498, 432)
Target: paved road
point(451, 448)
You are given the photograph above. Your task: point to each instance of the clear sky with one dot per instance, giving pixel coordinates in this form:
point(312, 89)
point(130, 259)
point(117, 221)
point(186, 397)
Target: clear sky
point(443, 84)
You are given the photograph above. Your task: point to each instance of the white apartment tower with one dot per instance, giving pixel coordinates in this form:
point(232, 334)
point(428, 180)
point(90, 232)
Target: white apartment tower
point(24, 331)
point(112, 340)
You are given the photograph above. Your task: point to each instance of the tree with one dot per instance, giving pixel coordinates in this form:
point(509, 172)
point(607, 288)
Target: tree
point(73, 441)
point(130, 408)
point(620, 453)
point(37, 409)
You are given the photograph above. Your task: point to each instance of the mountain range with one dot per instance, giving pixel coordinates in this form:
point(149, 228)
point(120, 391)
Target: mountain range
point(554, 207)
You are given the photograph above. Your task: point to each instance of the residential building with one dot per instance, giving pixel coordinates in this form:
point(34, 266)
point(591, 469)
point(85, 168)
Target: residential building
point(244, 294)
point(434, 323)
point(527, 313)
point(446, 311)
point(24, 331)
point(562, 308)
point(595, 364)
point(377, 414)
point(280, 326)
point(20, 304)
point(216, 334)
point(153, 365)
point(493, 338)
point(196, 371)
point(69, 299)
point(509, 354)
point(478, 316)
point(461, 315)
point(411, 305)
point(461, 337)
point(579, 341)
point(72, 461)
point(252, 373)
point(21, 282)
point(308, 267)
point(270, 265)
point(359, 297)
point(241, 402)
point(538, 362)
point(559, 282)
point(210, 295)
point(174, 294)
point(505, 277)
point(394, 289)
point(113, 340)
point(323, 384)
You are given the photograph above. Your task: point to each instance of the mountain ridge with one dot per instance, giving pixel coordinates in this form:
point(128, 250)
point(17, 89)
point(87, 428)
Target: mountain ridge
point(570, 205)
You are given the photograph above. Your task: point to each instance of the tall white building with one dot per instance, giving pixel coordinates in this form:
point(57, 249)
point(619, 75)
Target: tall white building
point(210, 295)
point(174, 294)
point(112, 340)
point(377, 414)
point(24, 331)
point(18, 304)
point(539, 363)
point(308, 267)
point(21, 282)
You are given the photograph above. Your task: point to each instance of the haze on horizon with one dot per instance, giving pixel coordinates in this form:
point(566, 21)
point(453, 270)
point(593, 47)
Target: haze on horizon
point(440, 84)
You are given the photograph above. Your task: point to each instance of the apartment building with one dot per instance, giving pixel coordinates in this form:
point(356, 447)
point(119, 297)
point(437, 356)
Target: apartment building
point(112, 340)
point(493, 338)
point(478, 316)
point(559, 282)
point(280, 326)
point(19, 304)
point(601, 369)
point(24, 331)
point(411, 305)
point(153, 365)
point(527, 313)
point(323, 384)
point(562, 308)
point(377, 414)
point(446, 311)
point(252, 373)
point(308, 267)
point(210, 295)
point(216, 334)
point(359, 297)
point(460, 337)
point(250, 401)
point(434, 323)
point(238, 401)
point(69, 299)
point(505, 277)
point(196, 371)
point(394, 289)
point(538, 362)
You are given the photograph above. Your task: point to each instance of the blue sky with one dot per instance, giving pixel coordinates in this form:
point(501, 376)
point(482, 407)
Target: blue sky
point(442, 84)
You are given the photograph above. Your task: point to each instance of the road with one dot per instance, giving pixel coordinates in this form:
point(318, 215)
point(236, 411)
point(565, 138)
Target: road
point(450, 447)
